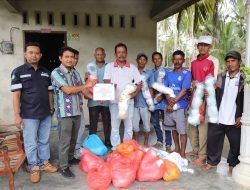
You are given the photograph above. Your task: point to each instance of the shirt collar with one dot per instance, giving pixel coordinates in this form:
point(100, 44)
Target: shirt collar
point(65, 70)
point(236, 76)
point(29, 66)
point(126, 65)
point(104, 64)
point(203, 57)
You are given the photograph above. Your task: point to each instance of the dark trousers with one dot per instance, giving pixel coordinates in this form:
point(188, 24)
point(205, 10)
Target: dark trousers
point(68, 131)
point(156, 123)
point(215, 142)
point(93, 120)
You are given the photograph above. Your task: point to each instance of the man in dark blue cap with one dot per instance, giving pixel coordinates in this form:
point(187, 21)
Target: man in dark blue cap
point(229, 99)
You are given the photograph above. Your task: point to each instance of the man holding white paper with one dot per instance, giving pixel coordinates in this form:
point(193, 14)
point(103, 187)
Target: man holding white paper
point(100, 106)
point(120, 73)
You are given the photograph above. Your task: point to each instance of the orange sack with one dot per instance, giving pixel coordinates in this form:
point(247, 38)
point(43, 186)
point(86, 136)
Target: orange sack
point(151, 167)
point(99, 178)
point(127, 148)
point(123, 172)
point(172, 172)
point(89, 161)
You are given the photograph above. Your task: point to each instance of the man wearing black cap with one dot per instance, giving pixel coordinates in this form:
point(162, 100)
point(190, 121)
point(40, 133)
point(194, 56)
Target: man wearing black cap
point(229, 99)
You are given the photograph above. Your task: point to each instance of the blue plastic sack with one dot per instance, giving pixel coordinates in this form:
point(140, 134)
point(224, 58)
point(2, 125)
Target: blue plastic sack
point(95, 145)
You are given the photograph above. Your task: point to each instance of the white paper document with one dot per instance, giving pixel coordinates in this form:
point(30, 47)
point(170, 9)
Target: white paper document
point(102, 91)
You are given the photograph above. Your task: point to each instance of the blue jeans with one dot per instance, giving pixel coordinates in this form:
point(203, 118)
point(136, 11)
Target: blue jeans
point(36, 140)
point(115, 124)
point(156, 123)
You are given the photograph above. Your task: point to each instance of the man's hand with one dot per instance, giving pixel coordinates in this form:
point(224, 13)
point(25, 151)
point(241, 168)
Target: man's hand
point(18, 121)
point(170, 108)
point(159, 98)
point(193, 84)
point(238, 122)
point(89, 84)
point(132, 95)
point(205, 94)
point(171, 101)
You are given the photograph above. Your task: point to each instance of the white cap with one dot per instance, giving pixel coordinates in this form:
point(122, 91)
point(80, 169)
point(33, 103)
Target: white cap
point(205, 39)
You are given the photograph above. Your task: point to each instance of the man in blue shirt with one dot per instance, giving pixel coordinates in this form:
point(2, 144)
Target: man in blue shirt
point(99, 107)
point(160, 106)
point(179, 80)
point(141, 107)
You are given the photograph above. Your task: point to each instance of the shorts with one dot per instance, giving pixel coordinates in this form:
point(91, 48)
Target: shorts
point(177, 120)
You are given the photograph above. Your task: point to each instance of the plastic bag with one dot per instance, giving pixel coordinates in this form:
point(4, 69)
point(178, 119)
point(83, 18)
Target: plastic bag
point(89, 161)
point(137, 157)
point(92, 70)
point(123, 172)
point(172, 172)
point(127, 147)
point(99, 178)
point(151, 167)
point(95, 145)
point(123, 101)
point(196, 117)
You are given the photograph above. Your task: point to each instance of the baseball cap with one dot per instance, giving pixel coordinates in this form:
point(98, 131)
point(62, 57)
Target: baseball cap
point(233, 54)
point(205, 40)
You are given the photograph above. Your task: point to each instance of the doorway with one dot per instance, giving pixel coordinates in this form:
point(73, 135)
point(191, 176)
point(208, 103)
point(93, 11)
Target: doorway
point(50, 45)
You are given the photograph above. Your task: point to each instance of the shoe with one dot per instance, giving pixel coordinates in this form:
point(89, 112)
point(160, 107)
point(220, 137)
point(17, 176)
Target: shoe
point(67, 173)
point(48, 167)
point(158, 145)
point(74, 161)
point(108, 143)
point(35, 174)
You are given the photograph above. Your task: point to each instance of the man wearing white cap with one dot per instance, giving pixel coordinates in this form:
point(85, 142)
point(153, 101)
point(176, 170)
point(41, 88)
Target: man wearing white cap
point(203, 66)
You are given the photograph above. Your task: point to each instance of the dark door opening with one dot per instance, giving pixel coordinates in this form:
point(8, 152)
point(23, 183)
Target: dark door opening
point(50, 46)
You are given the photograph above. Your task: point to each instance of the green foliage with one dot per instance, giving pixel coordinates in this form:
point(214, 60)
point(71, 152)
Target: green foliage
point(228, 29)
point(246, 73)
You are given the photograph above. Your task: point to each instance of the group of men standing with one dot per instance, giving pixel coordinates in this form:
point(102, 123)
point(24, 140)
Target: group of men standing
point(37, 94)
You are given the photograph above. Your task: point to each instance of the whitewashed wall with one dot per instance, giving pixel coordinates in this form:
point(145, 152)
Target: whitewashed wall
point(141, 38)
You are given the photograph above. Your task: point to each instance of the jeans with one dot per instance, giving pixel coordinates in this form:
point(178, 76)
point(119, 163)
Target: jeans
point(36, 140)
point(156, 123)
point(115, 124)
point(93, 120)
point(144, 114)
point(80, 133)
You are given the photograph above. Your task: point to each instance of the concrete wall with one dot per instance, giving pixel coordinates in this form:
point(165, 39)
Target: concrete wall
point(141, 38)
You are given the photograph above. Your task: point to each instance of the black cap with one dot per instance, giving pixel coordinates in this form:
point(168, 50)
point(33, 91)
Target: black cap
point(139, 55)
point(233, 54)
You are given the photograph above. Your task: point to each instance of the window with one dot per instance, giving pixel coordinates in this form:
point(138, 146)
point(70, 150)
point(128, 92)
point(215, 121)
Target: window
point(132, 22)
point(50, 18)
point(111, 21)
point(63, 19)
point(99, 20)
point(122, 21)
point(38, 17)
point(25, 17)
point(87, 20)
point(75, 19)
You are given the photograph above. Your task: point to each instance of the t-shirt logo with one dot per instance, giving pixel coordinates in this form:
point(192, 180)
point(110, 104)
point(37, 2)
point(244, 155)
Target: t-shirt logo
point(179, 78)
point(205, 69)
